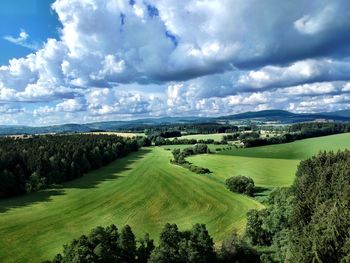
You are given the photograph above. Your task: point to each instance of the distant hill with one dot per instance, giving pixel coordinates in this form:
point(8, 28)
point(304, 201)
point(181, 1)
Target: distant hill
point(266, 114)
point(286, 117)
point(259, 117)
point(99, 126)
point(341, 113)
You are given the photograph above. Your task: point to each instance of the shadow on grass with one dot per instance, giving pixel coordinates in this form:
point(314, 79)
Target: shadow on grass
point(90, 180)
point(28, 199)
point(261, 191)
point(108, 172)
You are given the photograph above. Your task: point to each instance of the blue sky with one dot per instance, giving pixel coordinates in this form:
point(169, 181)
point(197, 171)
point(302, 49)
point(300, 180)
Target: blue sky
point(33, 16)
point(65, 61)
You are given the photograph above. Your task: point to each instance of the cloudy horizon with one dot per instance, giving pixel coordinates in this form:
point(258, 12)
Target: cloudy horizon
point(82, 61)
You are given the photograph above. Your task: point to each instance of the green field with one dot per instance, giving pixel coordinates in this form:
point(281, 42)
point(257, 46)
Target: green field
point(266, 172)
point(297, 150)
point(143, 190)
point(269, 166)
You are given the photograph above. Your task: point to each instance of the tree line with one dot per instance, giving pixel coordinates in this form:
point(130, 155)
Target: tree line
point(32, 164)
point(179, 157)
point(107, 245)
point(194, 128)
point(159, 141)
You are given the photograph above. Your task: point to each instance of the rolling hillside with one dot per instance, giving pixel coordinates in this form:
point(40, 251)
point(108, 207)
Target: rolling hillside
point(269, 166)
point(143, 190)
point(297, 150)
point(146, 191)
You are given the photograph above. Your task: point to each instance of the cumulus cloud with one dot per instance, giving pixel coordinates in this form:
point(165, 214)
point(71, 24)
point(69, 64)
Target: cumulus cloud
point(111, 101)
point(305, 71)
point(202, 57)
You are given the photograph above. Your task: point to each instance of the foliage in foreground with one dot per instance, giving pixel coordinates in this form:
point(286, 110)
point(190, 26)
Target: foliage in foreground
point(241, 184)
point(309, 222)
point(107, 245)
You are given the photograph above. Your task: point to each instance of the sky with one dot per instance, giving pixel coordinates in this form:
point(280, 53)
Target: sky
point(78, 61)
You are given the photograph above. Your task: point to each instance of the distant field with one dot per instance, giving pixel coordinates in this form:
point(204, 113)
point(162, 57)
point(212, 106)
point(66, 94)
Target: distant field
point(297, 150)
point(143, 190)
point(269, 166)
point(216, 136)
point(266, 172)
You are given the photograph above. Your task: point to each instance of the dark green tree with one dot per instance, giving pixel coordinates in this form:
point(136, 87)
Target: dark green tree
point(234, 249)
point(145, 249)
point(127, 245)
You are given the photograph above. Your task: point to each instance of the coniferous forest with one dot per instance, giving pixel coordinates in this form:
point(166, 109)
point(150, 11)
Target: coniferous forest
point(35, 163)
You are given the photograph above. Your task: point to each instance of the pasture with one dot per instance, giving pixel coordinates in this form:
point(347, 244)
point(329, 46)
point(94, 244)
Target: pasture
point(298, 150)
point(143, 190)
point(146, 191)
point(269, 166)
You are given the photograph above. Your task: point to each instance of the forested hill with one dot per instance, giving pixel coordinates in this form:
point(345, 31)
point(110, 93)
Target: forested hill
point(32, 164)
point(278, 116)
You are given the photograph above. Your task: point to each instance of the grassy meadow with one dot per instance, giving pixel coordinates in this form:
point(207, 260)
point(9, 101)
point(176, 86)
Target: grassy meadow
point(146, 191)
point(143, 190)
point(265, 172)
point(269, 166)
point(297, 150)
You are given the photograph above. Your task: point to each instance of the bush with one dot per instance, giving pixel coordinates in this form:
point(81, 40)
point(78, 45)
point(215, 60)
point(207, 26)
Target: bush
point(199, 170)
point(241, 184)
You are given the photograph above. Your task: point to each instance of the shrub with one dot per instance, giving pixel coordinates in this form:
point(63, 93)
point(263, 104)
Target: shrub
point(241, 184)
point(199, 170)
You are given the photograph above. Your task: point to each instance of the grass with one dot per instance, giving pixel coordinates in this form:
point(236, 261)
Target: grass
point(143, 190)
point(297, 150)
point(146, 191)
point(265, 172)
point(269, 166)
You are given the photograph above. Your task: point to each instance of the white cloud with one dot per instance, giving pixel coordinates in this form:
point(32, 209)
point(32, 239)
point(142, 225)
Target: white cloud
point(111, 101)
point(205, 57)
point(22, 40)
point(311, 70)
point(346, 87)
point(314, 24)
